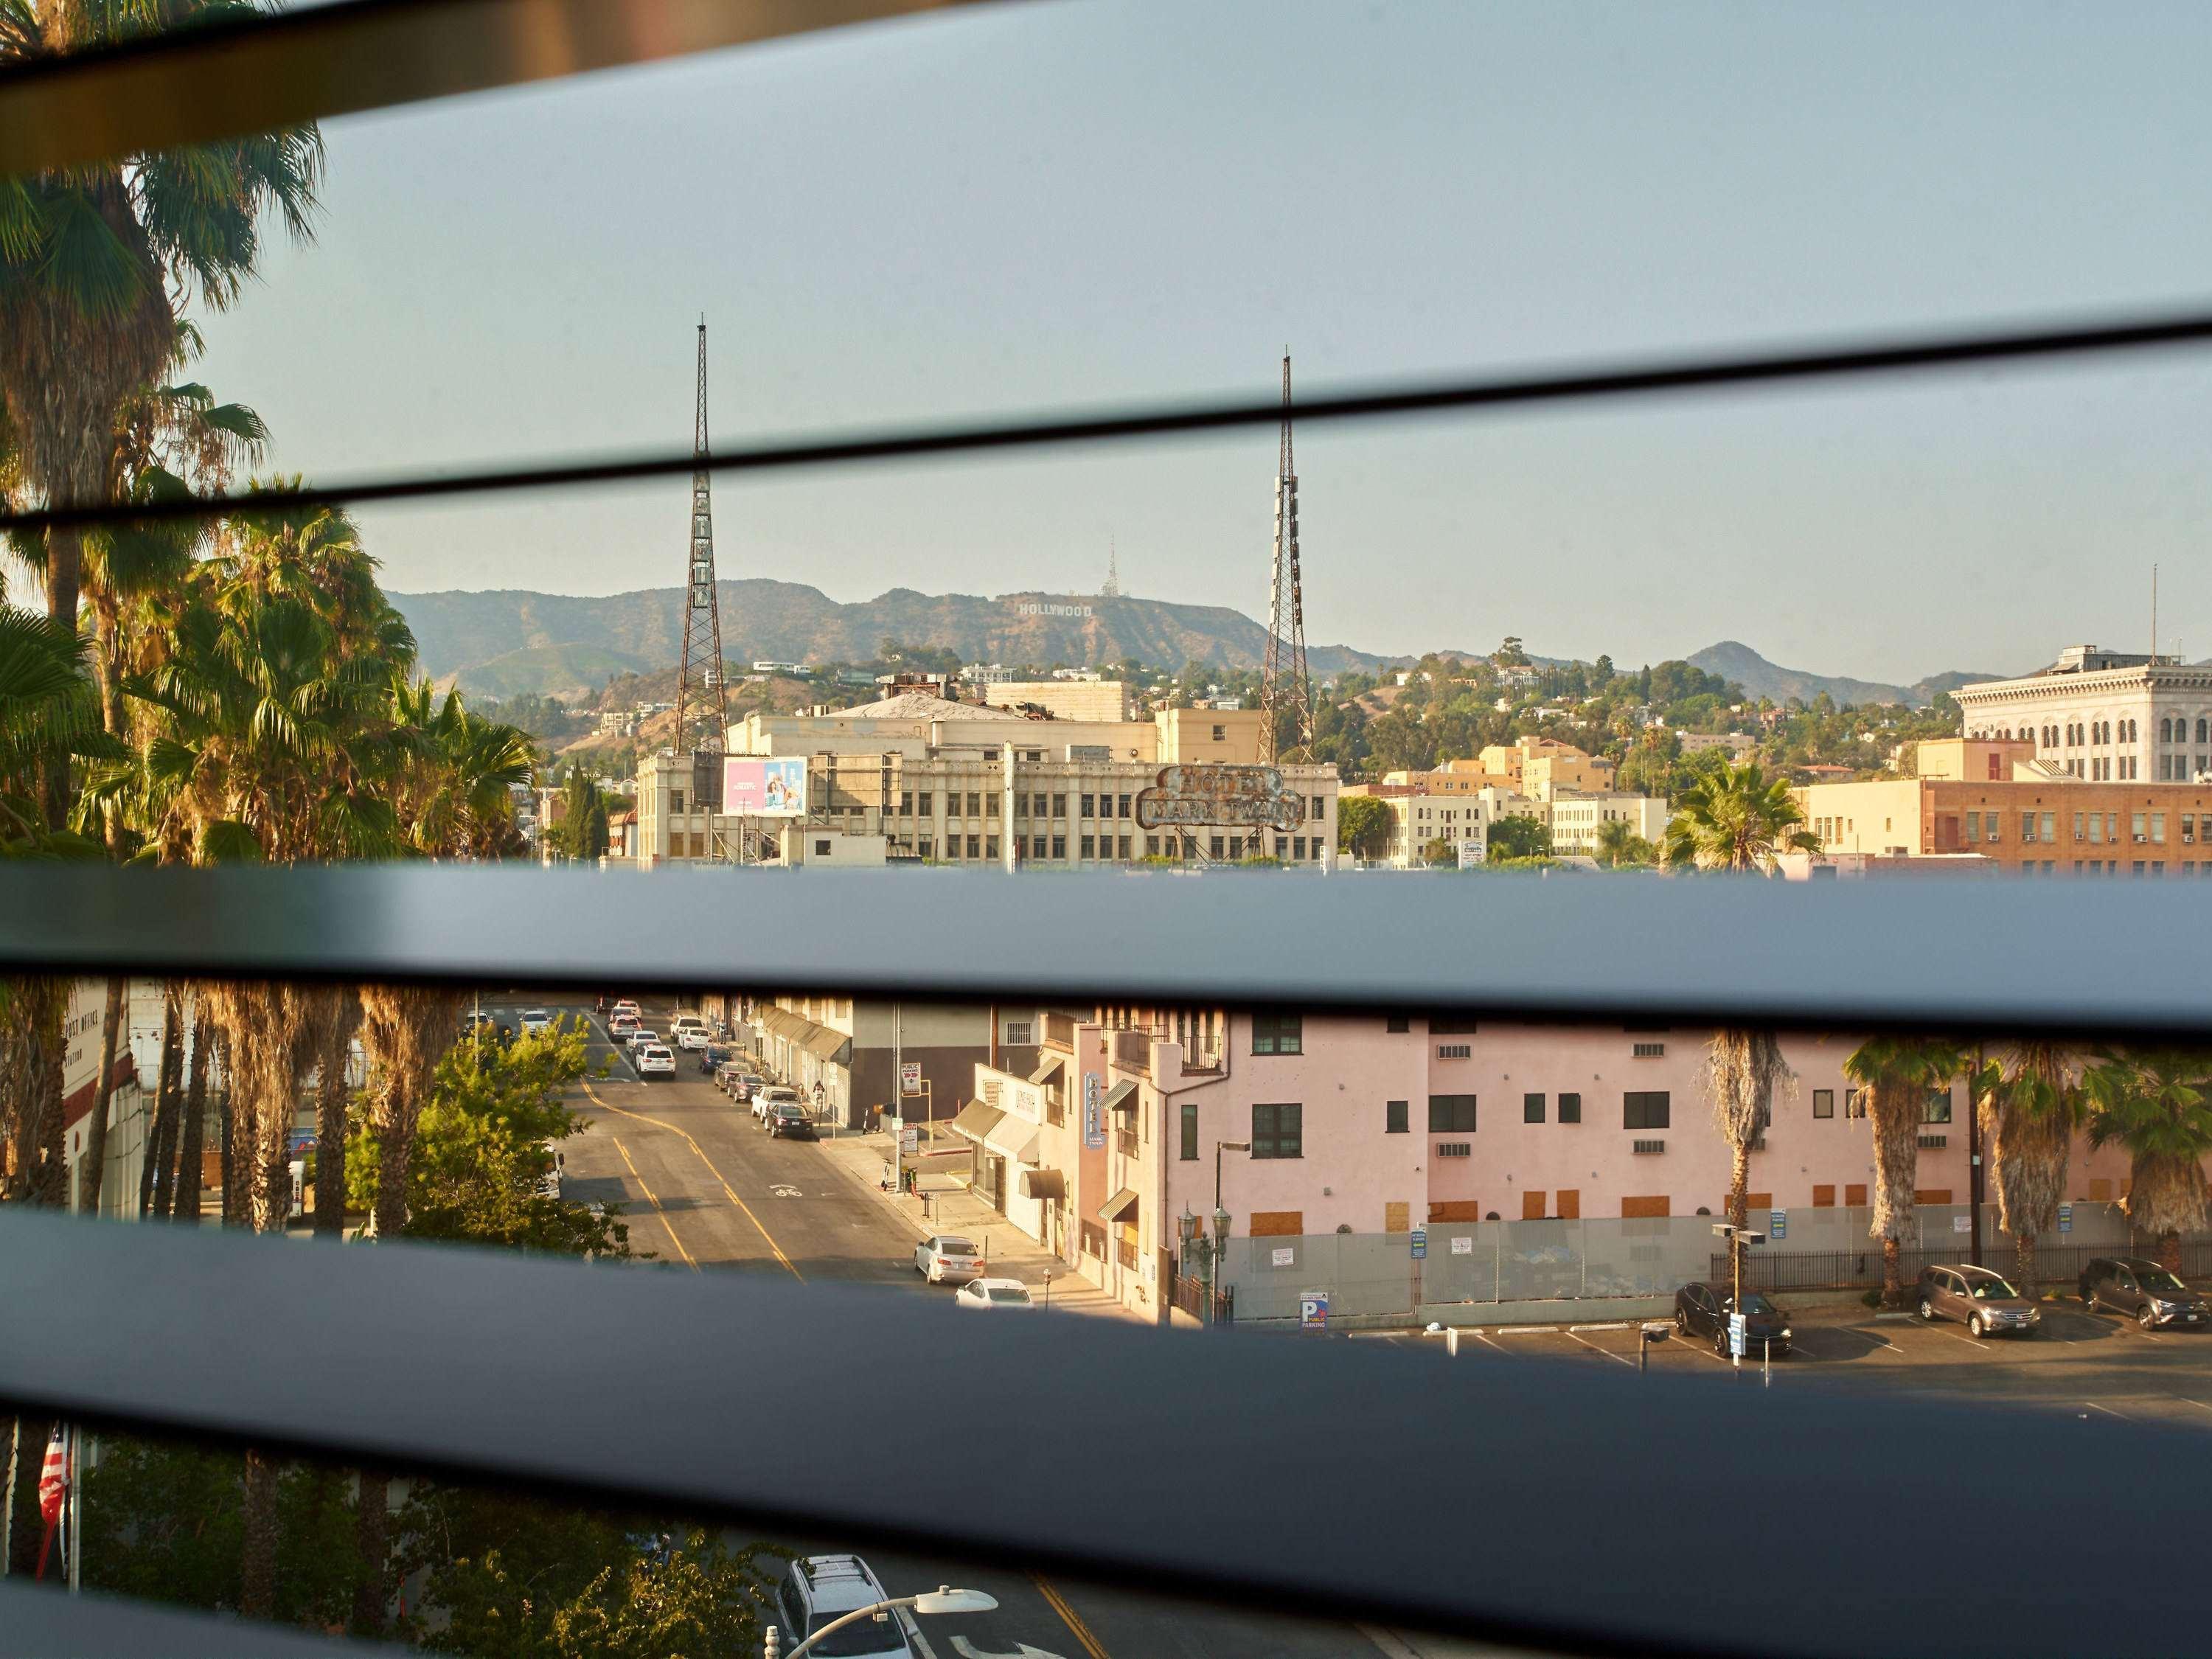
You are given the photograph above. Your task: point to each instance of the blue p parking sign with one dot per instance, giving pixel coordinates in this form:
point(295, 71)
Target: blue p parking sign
point(1313, 1310)
point(1420, 1238)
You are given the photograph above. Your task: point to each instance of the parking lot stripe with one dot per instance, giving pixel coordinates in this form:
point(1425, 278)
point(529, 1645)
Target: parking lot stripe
point(1594, 1347)
point(657, 1210)
point(2199, 1404)
point(1614, 1325)
point(1528, 1330)
point(2107, 1410)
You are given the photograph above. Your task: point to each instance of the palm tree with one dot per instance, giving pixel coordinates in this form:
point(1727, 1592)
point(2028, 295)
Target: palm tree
point(2030, 1107)
point(1618, 844)
point(1735, 818)
point(1898, 1074)
point(95, 258)
point(2157, 1102)
point(1743, 1069)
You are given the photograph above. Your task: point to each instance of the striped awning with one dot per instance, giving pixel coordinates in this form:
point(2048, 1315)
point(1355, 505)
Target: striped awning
point(975, 1121)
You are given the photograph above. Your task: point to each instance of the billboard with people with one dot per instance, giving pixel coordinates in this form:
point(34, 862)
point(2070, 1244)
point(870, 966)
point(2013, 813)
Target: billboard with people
point(765, 788)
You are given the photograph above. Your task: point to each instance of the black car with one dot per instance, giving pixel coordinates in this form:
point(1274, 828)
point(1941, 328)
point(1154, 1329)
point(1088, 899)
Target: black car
point(2145, 1292)
point(1703, 1310)
point(788, 1119)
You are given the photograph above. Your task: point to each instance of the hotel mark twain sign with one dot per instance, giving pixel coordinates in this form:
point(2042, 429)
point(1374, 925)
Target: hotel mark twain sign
point(1194, 797)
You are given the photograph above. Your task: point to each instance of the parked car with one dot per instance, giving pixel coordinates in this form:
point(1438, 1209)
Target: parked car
point(692, 1036)
point(1702, 1308)
point(948, 1257)
point(994, 1293)
point(640, 1037)
point(787, 1120)
point(748, 1084)
point(765, 1100)
point(712, 1058)
point(2143, 1290)
point(819, 1589)
point(620, 1027)
point(656, 1060)
point(726, 1077)
point(628, 1006)
point(550, 1179)
point(536, 1022)
point(682, 1020)
point(1985, 1300)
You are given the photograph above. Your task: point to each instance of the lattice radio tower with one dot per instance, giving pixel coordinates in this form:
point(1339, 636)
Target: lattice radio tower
point(701, 688)
point(1284, 688)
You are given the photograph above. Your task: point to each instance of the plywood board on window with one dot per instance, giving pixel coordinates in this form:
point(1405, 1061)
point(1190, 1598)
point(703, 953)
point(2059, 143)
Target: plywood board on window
point(1757, 1202)
point(1643, 1209)
point(1456, 1209)
point(1397, 1218)
point(1824, 1198)
point(1854, 1196)
point(1567, 1204)
point(1532, 1205)
point(1277, 1224)
point(2101, 1192)
point(1931, 1195)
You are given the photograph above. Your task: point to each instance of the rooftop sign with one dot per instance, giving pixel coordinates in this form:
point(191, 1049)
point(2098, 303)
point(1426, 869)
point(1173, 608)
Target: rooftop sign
point(1246, 796)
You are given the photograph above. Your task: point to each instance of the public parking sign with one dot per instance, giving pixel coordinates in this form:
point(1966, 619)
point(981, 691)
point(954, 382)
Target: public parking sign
point(1420, 1238)
point(1737, 1340)
point(1778, 1223)
point(910, 1077)
point(2066, 1217)
point(1313, 1311)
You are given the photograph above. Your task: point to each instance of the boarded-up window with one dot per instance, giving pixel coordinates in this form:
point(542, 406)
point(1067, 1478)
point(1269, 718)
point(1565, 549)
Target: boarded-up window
point(1451, 1209)
point(1532, 1206)
point(1854, 1196)
point(1931, 1195)
point(1757, 1202)
point(1567, 1204)
point(2101, 1192)
point(1277, 1224)
point(1397, 1218)
point(1635, 1209)
point(1824, 1198)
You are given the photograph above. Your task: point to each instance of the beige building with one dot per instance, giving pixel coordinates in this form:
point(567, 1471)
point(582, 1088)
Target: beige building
point(1066, 700)
point(2103, 716)
point(1577, 819)
point(1419, 818)
point(1537, 766)
point(917, 777)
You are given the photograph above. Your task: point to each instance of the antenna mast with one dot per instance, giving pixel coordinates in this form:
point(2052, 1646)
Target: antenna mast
point(1284, 688)
point(699, 689)
point(1113, 588)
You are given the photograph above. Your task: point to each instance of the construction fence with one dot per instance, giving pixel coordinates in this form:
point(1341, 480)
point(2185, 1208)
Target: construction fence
point(1454, 1266)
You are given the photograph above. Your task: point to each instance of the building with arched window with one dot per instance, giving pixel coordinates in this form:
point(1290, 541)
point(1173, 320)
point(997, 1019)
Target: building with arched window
point(2102, 716)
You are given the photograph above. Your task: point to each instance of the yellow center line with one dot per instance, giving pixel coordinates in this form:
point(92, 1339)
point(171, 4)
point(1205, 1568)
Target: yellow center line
point(655, 1202)
point(1072, 1618)
point(727, 1191)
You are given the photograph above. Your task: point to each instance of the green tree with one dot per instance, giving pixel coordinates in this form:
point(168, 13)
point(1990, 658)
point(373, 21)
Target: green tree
point(2157, 1102)
point(1364, 825)
point(1618, 845)
point(1516, 837)
point(1736, 819)
point(1743, 1069)
point(1898, 1074)
point(2031, 1104)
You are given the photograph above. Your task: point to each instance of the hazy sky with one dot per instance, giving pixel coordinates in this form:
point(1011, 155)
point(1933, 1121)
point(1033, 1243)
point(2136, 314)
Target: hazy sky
point(1080, 202)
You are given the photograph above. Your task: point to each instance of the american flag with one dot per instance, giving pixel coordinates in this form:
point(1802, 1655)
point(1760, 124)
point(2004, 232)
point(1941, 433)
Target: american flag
point(53, 1480)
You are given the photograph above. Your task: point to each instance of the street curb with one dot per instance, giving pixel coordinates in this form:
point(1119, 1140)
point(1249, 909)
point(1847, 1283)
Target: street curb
point(888, 1200)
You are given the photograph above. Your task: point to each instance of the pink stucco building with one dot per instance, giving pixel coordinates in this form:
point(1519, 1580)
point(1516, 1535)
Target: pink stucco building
point(1375, 1124)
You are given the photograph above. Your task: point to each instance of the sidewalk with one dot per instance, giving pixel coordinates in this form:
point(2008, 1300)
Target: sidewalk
point(1010, 1253)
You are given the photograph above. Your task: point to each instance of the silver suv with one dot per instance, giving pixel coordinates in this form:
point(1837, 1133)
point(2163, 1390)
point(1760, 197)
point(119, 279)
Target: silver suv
point(819, 1590)
point(1985, 1302)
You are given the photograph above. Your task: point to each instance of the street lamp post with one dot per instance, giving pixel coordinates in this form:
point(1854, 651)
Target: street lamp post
point(1220, 1221)
point(942, 1599)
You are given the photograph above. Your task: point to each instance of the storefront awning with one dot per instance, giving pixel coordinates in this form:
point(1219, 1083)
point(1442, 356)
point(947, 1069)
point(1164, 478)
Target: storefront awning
point(1050, 1069)
point(1121, 1097)
point(823, 1042)
point(1044, 1183)
point(975, 1121)
point(1119, 1207)
point(1016, 1139)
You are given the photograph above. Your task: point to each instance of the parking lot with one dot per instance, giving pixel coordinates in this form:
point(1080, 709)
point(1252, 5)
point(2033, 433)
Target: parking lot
point(2089, 1364)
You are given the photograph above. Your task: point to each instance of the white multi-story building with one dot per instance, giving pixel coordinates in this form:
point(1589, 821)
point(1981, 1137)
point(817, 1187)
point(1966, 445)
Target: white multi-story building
point(2105, 716)
point(1421, 816)
point(1576, 819)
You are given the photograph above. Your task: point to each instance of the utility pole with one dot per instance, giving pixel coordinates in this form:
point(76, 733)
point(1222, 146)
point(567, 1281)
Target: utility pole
point(699, 688)
point(1284, 687)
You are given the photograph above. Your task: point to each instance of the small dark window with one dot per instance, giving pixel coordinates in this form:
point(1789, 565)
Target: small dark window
point(1570, 1109)
point(821, 849)
point(1277, 1131)
point(1531, 1109)
point(1397, 1023)
point(1189, 1147)
point(1451, 1115)
point(1938, 1108)
point(1646, 1108)
point(1277, 1033)
point(1395, 1117)
point(1451, 1025)
point(1824, 1102)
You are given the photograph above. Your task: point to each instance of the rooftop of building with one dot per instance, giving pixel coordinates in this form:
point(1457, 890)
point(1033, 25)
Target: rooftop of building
point(924, 705)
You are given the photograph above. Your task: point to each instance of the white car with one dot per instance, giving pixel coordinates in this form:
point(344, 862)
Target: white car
point(654, 1060)
point(994, 1293)
point(948, 1257)
point(765, 1100)
point(628, 1006)
point(536, 1022)
point(682, 1020)
point(692, 1036)
point(640, 1038)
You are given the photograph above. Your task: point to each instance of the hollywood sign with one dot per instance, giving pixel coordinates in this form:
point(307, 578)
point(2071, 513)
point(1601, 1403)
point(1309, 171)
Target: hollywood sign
point(1031, 608)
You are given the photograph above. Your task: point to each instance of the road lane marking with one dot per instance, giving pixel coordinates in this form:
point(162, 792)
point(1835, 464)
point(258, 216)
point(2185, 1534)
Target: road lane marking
point(1608, 1353)
point(655, 1202)
point(2107, 1410)
point(2199, 1404)
point(1072, 1618)
point(728, 1191)
point(968, 1650)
